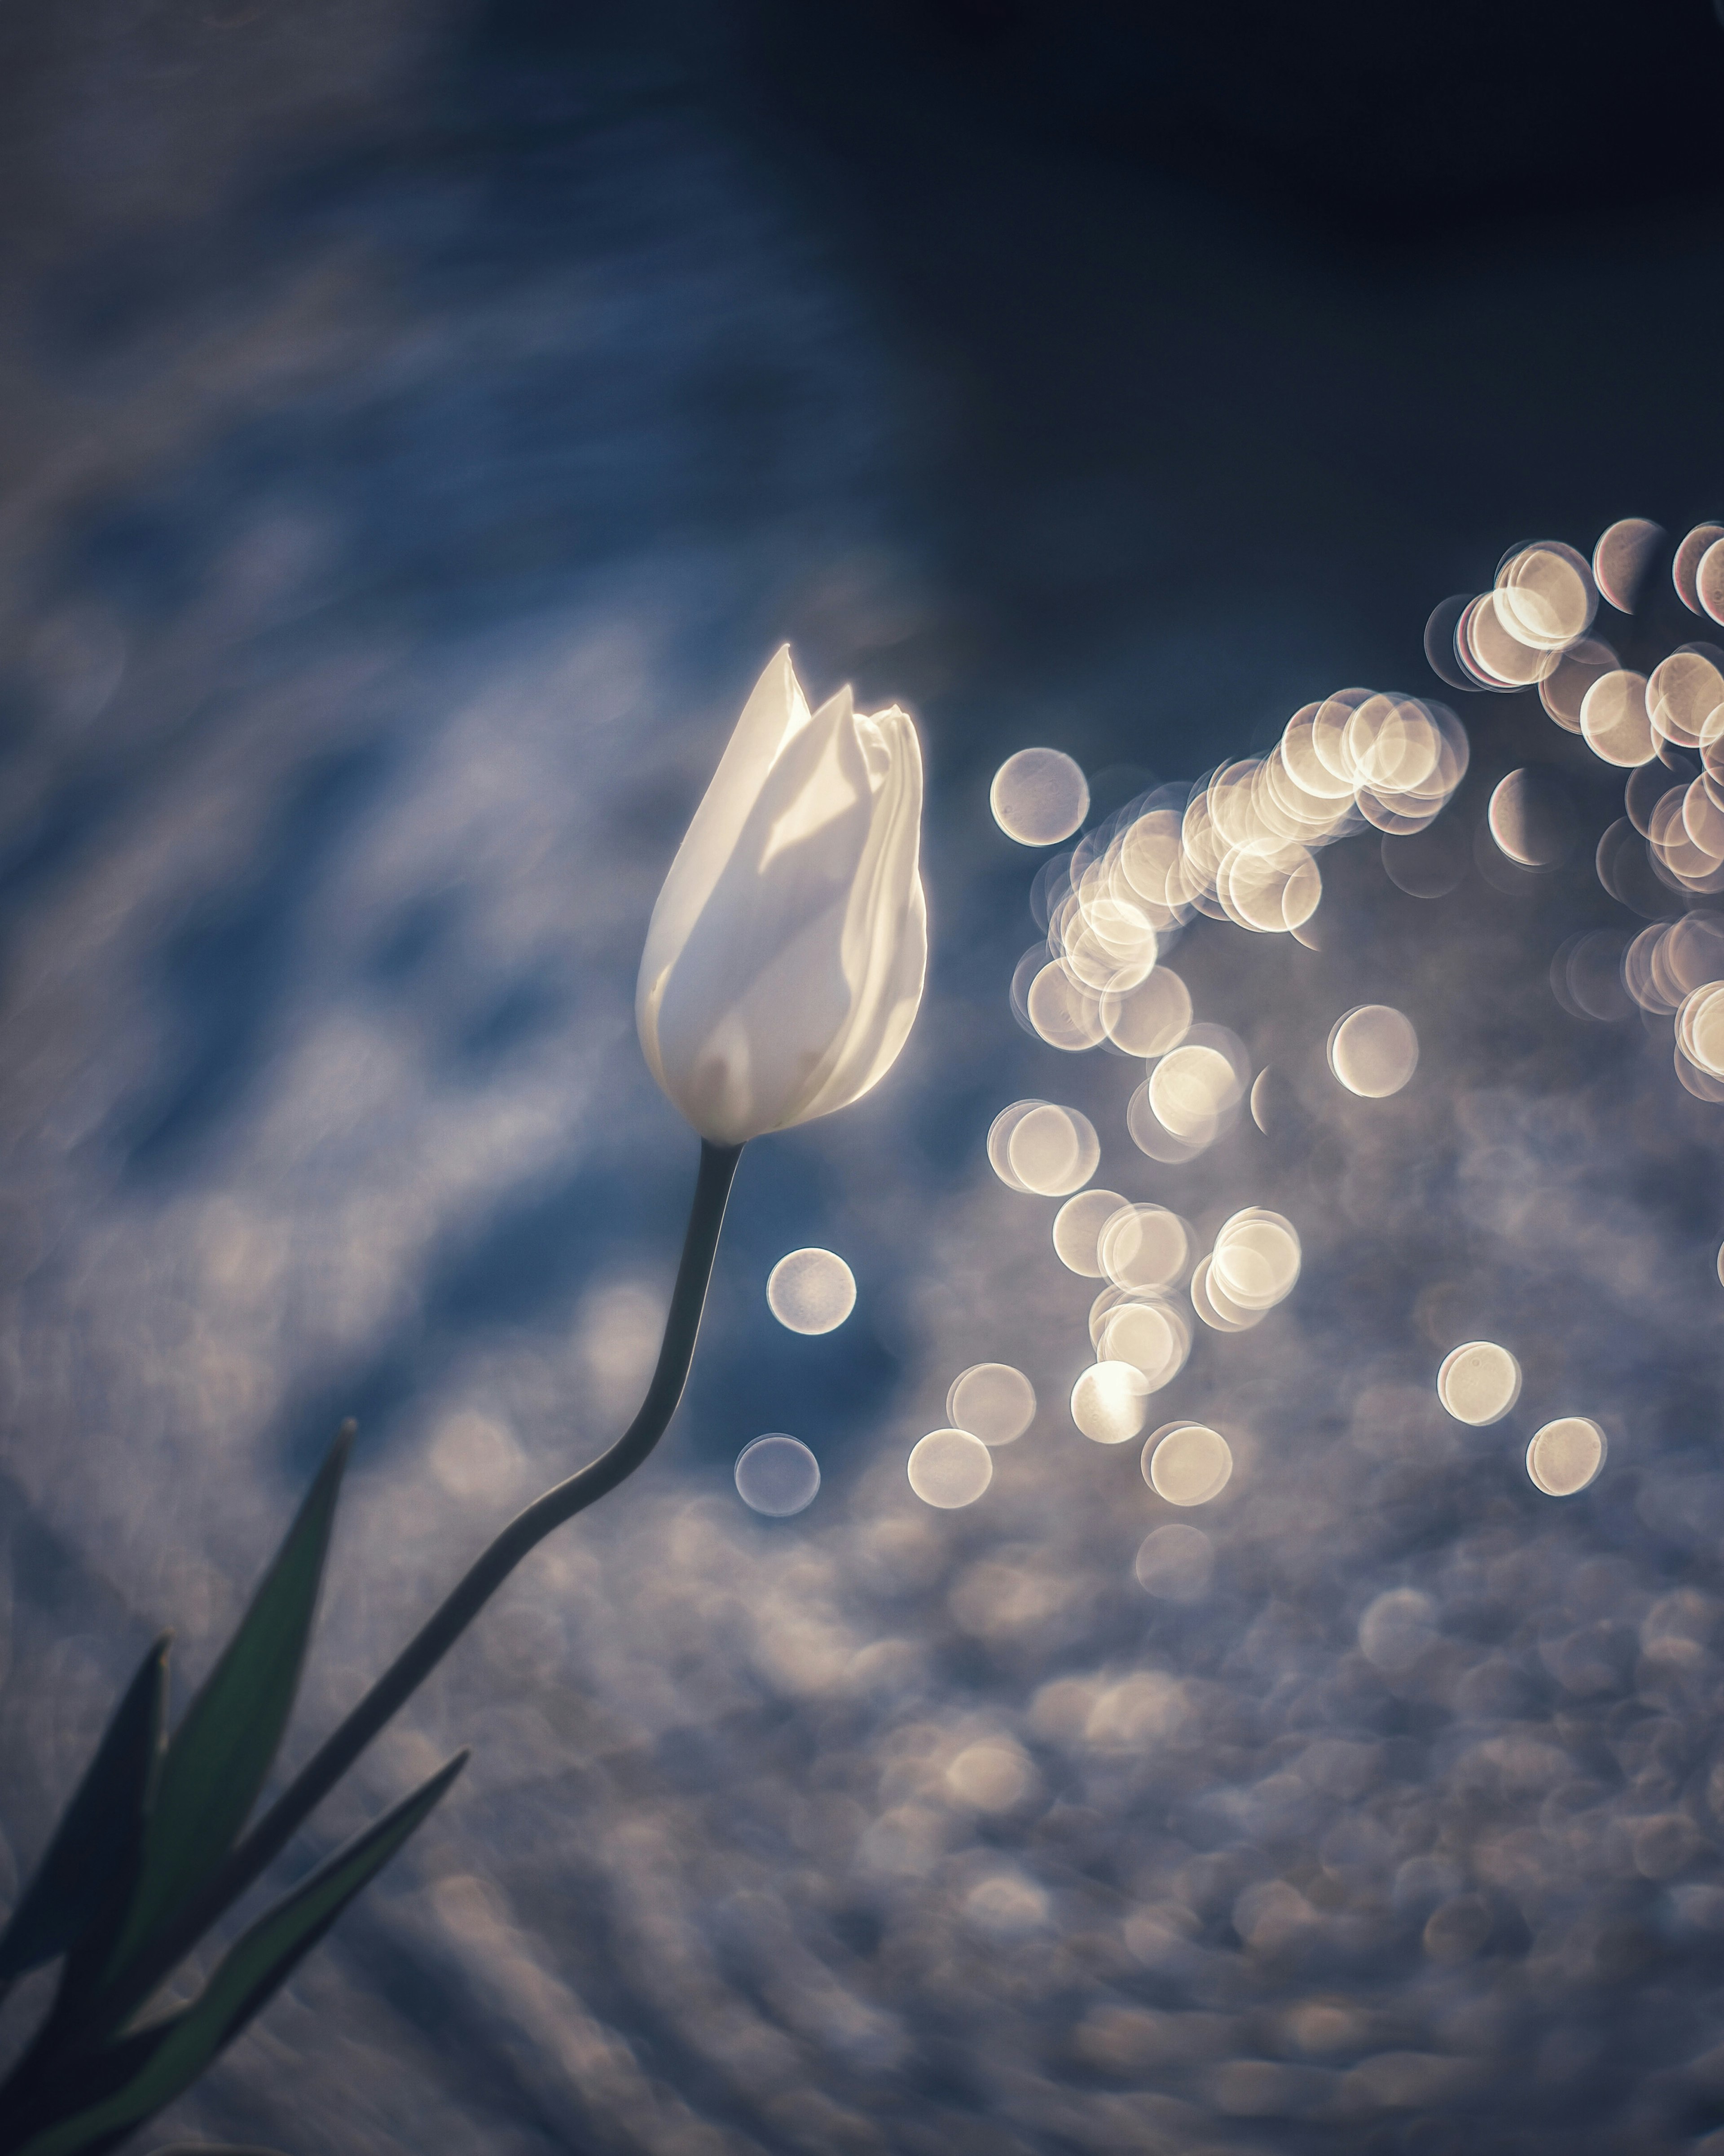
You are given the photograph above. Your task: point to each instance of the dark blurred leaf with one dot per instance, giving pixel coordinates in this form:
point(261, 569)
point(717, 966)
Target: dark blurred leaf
point(213, 2149)
point(218, 1756)
point(96, 1840)
point(249, 1976)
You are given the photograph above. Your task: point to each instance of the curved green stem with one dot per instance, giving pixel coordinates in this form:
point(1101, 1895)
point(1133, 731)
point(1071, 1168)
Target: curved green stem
point(438, 1633)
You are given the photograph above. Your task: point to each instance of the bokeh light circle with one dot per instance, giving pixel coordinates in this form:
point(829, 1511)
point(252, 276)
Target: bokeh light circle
point(1621, 558)
point(1143, 1246)
point(1150, 1018)
point(1566, 1455)
point(1188, 1463)
point(777, 1476)
point(991, 1401)
point(1148, 1332)
point(811, 1291)
point(1053, 1150)
point(1109, 1401)
point(1479, 1382)
point(1684, 564)
point(1255, 1261)
point(1709, 581)
point(1373, 1050)
point(949, 1468)
point(1176, 1562)
point(1530, 817)
point(1077, 1231)
point(1615, 722)
point(1038, 796)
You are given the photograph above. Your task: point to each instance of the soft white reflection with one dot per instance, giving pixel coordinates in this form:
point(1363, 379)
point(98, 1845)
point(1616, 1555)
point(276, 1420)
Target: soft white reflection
point(1065, 1011)
point(1255, 1261)
point(1191, 1089)
point(949, 1468)
point(1038, 796)
point(1176, 1562)
point(1684, 565)
point(991, 1401)
point(1147, 1331)
point(1143, 1246)
point(1216, 1311)
point(1373, 1050)
point(1546, 595)
point(1077, 1231)
point(1563, 691)
point(1615, 722)
point(1041, 1150)
point(1479, 1382)
point(1566, 1455)
point(1149, 1018)
point(1709, 580)
point(1621, 559)
point(992, 1776)
point(777, 1476)
point(1188, 1463)
point(1151, 1135)
point(1531, 819)
point(1053, 1150)
point(811, 1291)
point(1109, 1401)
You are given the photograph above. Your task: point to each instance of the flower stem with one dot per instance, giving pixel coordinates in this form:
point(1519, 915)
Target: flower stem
point(438, 1633)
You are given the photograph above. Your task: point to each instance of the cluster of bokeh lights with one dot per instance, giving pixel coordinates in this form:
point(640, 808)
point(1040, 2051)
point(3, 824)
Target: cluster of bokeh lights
point(1242, 846)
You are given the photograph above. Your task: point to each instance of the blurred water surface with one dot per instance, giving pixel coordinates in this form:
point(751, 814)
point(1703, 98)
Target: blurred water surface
point(418, 426)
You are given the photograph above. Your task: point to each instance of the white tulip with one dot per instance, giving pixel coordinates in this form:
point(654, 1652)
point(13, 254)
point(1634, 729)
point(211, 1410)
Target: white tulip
point(784, 963)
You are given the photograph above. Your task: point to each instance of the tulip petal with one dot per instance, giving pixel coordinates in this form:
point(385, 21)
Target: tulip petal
point(785, 961)
point(776, 710)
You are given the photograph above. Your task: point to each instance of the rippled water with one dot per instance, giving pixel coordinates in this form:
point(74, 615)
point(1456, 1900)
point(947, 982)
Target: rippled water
point(417, 433)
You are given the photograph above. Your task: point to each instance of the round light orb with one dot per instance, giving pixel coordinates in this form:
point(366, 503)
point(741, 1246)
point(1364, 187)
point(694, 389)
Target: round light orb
point(1038, 796)
point(1176, 1563)
point(1053, 1150)
point(1479, 1382)
point(1684, 567)
point(949, 1468)
point(1077, 1229)
point(1709, 580)
point(1256, 1260)
point(1063, 1011)
point(811, 1292)
point(1151, 1018)
point(991, 1401)
point(1109, 1402)
point(1546, 595)
point(1398, 1628)
point(1193, 1091)
point(1149, 1335)
point(1621, 558)
point(777, 1476)
point(1615, 722)
point(1143, 1246)
point(1188, 1463)
point(1373, 1050)
point(1530, 817)
point(1566, 1455)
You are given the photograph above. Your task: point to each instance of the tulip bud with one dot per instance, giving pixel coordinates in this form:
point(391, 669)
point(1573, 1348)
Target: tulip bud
point(784, 962)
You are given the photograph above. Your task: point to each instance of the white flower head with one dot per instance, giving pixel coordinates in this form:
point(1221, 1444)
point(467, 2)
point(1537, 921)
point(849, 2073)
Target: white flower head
point(785, 959)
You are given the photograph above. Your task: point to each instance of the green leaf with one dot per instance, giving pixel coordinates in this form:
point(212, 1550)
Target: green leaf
point(218, 1756)
point(253, 1970)
point(95, 1844)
